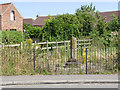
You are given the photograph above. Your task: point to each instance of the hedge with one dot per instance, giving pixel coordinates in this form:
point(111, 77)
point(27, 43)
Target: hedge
point(12, 37)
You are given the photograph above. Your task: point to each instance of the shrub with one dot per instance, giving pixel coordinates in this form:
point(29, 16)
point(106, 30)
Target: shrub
point(12, 37)
point(29, 43)
point(32, 32)
point(83, 57)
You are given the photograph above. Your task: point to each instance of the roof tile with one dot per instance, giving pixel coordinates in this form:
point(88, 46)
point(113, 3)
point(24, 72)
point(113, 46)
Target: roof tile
point(40, 19)
point(108, 15)
point(3, 7)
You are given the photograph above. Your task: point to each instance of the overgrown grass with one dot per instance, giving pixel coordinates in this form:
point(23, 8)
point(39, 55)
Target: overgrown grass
point(17, 61)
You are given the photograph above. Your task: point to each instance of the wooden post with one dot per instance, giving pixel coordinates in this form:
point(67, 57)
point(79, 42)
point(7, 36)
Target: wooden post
point(35, 45)
point(65, 45)
point(43, 36)
point(3, 45)
point(21, 45)
point(47, 46)
point(34, 58)
point(68, 46)
point(56, 47)
point(84, 43)
point(73, 49)
point(89, 43)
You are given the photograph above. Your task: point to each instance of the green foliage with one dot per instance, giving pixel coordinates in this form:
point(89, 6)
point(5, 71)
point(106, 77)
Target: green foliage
point(31, 31)
point(114, 24)
point(86, 22)
point(87, 19)
point(63, 27)
point(83, 57)
point(29, 43)
point(119, 51)
point(12, 37)
point(101, 26)
point(105, 33)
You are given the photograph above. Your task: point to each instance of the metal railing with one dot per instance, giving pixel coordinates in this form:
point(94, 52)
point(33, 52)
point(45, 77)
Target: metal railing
point(89, 60)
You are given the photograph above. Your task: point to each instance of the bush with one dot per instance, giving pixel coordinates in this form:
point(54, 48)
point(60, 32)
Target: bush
point(12, 37)
point(32, 32)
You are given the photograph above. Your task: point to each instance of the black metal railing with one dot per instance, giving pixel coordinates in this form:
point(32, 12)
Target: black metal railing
point(35, 60)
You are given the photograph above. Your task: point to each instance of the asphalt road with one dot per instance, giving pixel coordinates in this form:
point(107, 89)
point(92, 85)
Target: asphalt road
point(65, 86)
point(58, 78)
point(63, 81)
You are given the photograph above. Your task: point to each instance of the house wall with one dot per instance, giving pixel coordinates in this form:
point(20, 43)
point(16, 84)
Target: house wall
point(8, 24)
point(41, 26)
point(0, 23)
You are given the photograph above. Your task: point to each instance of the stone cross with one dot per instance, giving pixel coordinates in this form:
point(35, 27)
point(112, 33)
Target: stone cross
point(73, 49)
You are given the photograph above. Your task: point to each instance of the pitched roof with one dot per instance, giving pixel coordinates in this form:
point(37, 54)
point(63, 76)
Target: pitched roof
point(28, 21)
point(40, 20)
point(108, 15)
point(4, 7)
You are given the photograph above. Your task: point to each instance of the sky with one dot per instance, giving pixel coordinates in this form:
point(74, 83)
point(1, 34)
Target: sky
point(31, 9)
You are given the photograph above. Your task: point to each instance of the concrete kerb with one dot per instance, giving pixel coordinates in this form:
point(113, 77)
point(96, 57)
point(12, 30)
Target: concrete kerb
point(57, 82)
point(57, 79)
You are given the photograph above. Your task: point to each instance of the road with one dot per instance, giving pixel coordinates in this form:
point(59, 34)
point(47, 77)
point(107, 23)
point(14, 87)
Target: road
point(65, 86)
point(60, 81)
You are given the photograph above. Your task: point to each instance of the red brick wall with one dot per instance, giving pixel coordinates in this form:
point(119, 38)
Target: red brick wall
point(41, 26)
point(0, 23)
point(8, 24)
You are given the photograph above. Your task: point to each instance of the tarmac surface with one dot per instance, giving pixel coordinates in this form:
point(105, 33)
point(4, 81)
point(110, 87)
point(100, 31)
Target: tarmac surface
point(60, 81)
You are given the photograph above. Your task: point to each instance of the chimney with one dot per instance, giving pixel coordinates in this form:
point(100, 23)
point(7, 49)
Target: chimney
point(37, 16)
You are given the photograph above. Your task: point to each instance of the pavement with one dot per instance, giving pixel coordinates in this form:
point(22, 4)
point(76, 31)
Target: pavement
point(58, 79)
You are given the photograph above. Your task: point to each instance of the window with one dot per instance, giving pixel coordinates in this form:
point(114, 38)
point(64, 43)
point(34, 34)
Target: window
point(12, 15)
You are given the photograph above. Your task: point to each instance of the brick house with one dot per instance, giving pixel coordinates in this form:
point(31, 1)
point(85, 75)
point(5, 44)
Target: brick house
point(108, 15)
point(39, 21)
point(10, 18)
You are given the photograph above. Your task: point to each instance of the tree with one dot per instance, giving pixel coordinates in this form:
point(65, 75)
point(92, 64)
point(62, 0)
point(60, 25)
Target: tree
point(31, 31)
point(62, 27)
point(87, 17)
point(114, 24)
point(86, 22)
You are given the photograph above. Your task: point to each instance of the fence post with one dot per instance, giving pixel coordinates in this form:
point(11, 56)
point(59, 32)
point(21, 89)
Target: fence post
point(84, 43)
point(86, 60)
point(34, 57)
point(43, 36)
point(89, 42)
point(105, 48)
point(65, 45)
point(68, 46)
point(3, 45)
point(81, 51)
point(74, 49)
point(21, 45)
point(47, 46)
point(56, 47)
point(34, 54)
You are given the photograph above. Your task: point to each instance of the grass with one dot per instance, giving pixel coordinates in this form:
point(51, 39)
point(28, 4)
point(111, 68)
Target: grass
point(17, 61)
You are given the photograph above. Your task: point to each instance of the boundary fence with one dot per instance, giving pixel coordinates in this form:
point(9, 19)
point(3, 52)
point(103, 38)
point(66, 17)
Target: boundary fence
point(60, 57)
point(85, 42)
